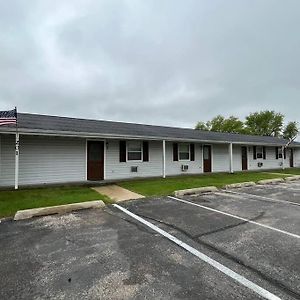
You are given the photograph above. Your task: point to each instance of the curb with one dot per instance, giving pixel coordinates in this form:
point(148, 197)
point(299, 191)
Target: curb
point(199, 190)
point(292, 178)
point(240, 184)
point(270, 181)
point(59, 209)
point(5, 219)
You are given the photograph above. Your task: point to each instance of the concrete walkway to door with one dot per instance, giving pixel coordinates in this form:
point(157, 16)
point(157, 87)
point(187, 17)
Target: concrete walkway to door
point(117, 193)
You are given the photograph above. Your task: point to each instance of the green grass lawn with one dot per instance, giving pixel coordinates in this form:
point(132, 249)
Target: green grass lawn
point(292, 171)
point(11, 201)
point(162, 187)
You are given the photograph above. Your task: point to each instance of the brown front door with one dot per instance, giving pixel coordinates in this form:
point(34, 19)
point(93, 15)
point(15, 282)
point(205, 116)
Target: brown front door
point(244, 158)
point(292, 158)
point(206, 158)
point(95, 160)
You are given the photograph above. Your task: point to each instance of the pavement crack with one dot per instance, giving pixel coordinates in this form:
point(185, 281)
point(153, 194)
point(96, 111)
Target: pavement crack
point(276, 283)
point(230, 226)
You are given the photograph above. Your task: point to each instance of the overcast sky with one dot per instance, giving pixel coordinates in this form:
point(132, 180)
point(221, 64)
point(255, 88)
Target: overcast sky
point(158, 62)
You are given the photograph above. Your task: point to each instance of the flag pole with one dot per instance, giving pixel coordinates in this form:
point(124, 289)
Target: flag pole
point(17, 153)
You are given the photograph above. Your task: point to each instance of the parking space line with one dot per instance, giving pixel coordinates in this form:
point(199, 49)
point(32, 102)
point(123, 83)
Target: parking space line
point(259, 197)
point(237, 217)
point(225, 270)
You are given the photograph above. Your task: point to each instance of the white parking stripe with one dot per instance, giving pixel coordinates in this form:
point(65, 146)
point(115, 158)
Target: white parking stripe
point(237, 217)
point(235, 276)
point(259, 197)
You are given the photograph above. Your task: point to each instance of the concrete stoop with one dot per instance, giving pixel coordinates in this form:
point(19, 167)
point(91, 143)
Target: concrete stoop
point(117, 193)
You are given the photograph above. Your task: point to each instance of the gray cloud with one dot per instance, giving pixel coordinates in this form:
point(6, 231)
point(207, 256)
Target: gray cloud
point(160, 62)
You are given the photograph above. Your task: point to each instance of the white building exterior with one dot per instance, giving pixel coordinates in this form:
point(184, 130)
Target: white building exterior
point(55, 150)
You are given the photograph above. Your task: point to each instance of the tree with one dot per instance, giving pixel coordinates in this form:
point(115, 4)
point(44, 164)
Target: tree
point(291, 130)
point(266, 122)
point(221, 124)
point(231, 124)
point(203, 126)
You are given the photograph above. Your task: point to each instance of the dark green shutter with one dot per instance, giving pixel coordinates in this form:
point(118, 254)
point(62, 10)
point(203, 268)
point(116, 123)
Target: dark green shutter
point(175, 152)
point(122, 150)
point(264, 153)
point(145, 151)
point(192, 149)
point(254, 152)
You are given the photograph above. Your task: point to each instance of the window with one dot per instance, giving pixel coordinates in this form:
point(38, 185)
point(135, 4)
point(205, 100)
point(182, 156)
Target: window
point(206, 154)
point(134, 150)
point(184, 151)
point(259, 152)
point(279, 152)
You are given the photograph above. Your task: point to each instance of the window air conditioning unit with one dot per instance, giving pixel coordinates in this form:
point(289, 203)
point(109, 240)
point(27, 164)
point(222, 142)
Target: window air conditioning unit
point(184, 168)
point(134, 169)
point(260, 164)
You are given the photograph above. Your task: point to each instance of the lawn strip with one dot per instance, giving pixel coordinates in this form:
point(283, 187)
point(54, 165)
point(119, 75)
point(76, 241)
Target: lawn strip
point(12, 201)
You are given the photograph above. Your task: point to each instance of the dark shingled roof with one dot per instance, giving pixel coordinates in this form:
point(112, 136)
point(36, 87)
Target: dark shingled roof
point(41, 123)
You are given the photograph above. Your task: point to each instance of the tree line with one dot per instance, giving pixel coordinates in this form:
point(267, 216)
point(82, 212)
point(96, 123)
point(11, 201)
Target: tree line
point(267, 123)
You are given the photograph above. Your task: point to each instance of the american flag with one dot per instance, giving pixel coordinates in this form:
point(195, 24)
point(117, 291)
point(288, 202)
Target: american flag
point(8, 117)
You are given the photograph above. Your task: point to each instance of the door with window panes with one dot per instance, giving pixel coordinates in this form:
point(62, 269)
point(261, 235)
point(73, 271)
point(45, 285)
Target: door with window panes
point(95, 160)
point(206, 158)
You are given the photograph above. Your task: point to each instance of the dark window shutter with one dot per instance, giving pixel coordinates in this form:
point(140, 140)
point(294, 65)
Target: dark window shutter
point(284, 151)
point(192, 149)
point(254, 152)
point(122, 148)
point(276, 152)
point(264, 153)
point(145, 151)
point(175, 152)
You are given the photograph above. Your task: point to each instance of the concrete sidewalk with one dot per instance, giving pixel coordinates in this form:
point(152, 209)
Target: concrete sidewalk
point(117, 193)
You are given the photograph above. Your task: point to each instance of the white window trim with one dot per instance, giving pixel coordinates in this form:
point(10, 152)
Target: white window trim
point(189, 159)
point(262, 152)
point(280, 152)
point(135, 160)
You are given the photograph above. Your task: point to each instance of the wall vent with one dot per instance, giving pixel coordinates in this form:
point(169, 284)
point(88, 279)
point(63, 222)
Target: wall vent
point(184, 168)
point(134, 169)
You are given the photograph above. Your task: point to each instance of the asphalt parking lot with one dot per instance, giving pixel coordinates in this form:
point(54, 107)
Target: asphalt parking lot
point(237, 244)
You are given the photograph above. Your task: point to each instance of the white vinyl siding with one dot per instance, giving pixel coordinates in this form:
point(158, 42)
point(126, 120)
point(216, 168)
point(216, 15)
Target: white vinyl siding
point(122, 170)
point(60, 160)
point(220, 158)
point(237, 157)
point(270, 162)
point(297, 157)
point(43, 160)
point(174, 167)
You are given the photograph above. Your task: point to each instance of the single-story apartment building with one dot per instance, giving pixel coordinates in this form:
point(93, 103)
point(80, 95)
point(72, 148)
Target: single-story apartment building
point(56, 149)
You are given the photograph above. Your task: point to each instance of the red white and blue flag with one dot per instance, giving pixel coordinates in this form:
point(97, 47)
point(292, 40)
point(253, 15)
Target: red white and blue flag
point(8, 117)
